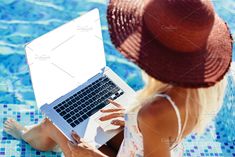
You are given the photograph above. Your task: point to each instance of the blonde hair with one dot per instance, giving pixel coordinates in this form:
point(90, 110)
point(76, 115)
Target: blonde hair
point(206, 102)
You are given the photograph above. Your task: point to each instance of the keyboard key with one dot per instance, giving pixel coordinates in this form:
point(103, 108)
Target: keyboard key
point(62, 107)
point(84, 117)
point(88, 107)
point(103, 104)
point(92, 93)
point(95, 109)
point(62, 113)
point(73, 124)
point(58, 110)
point(66, 105)
point(89, 100)
point(75, 106)
point(115, 90)
point(81, 112)
point(89, 113)
point(78, 102)
point(77, 114)
point(67, 116)
point(80, 119)
point(79, 96)
point(69, 120)
point(77, 121)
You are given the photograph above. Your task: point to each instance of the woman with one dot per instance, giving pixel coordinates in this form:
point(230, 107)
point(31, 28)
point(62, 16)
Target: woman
point(185, 50)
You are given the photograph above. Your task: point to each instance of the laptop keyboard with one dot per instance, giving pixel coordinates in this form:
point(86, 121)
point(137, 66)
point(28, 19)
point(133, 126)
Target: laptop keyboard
point(88, 101)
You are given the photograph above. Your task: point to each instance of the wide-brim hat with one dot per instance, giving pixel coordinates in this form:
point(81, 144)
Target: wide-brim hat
point(183, 43)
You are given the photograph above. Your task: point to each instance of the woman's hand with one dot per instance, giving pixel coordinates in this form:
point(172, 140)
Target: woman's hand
point(82, 149)
point(114, 113)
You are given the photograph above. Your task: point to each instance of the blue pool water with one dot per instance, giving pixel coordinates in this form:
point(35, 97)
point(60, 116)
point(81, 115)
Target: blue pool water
point(23, 20)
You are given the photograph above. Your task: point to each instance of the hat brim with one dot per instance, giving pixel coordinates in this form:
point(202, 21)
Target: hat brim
point(199, 69)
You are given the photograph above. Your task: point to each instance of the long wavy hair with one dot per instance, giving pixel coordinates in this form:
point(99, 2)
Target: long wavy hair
point(209, 100)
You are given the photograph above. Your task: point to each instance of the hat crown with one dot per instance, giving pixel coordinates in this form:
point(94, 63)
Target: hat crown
point(181, 25)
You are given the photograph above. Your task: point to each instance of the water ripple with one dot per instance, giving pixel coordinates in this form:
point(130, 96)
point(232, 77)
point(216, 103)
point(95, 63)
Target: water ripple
point(42, 22)
point(46, 4)
point(3, 43)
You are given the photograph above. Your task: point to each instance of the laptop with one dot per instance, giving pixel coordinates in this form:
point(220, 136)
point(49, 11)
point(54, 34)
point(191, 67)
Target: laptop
point(71, 81)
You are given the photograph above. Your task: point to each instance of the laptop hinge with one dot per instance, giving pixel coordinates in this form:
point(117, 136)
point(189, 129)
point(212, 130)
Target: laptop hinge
point(43, 107)
point(102, 70)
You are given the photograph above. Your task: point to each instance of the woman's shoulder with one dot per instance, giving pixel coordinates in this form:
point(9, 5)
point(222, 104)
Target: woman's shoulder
point(160, 115)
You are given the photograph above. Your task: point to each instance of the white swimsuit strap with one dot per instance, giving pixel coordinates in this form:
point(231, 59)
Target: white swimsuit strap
point(178, 118)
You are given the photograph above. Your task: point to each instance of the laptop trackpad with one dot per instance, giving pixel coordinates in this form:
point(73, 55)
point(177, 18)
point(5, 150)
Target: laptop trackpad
point(93, 134)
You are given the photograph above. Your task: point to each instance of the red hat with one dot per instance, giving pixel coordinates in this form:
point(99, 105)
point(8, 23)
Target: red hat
point(181, 42)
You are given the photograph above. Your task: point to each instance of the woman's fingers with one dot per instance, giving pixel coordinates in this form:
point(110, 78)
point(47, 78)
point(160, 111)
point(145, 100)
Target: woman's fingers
point(111, 116)
point(71, 145)
point(115, 103)
point(111, 110)
point(76, 138)
point(119, 107)
point(118, 122)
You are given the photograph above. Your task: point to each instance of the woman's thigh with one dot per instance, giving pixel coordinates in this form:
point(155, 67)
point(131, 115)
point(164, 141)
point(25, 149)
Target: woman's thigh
point(56, 136)
point(116, 141)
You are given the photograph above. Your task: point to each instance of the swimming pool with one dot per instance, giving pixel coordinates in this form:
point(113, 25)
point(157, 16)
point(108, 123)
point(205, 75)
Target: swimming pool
point(23, 20)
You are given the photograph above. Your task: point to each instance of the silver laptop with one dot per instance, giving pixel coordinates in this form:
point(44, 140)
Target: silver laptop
point(71, 81)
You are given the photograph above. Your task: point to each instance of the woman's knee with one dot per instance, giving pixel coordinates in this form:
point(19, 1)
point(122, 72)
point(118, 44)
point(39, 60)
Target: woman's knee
point(39, 137)
point(47, 125)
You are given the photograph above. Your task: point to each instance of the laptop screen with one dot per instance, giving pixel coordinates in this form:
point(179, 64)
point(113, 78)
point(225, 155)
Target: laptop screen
point(66, 57)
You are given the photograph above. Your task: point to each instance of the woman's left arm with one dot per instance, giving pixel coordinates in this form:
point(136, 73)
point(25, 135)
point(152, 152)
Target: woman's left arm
point(154, 144)
point(81, 148)
point(157, 124)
